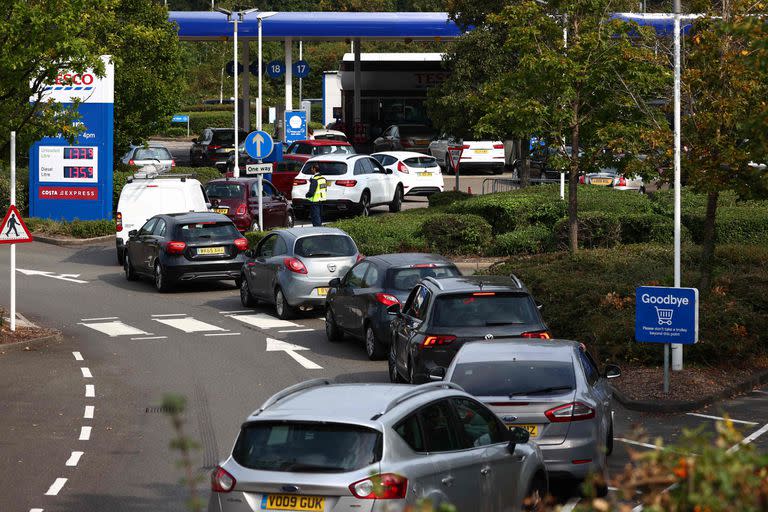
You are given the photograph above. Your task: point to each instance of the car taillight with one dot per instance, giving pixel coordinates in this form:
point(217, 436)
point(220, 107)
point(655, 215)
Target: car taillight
point(387, 299)
point(212, 146)
point(221, 481)
point(299, 182)
point(622, 182)
point(402, 167)
point(424, 265)
point(119, 222)
point(130, 162)
point(438, 339)
point(387, 486)
point(241, 244)
point(574, 411)
point(541, 335)
point(360, 257)
point(295, 265)
point(175, 247)
point(465, 146)
point(498, 146)
point(345, 183)
point(581, 179)
point(242, 209)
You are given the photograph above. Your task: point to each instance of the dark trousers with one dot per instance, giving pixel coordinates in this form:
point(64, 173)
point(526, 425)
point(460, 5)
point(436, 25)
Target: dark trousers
point(316, 214)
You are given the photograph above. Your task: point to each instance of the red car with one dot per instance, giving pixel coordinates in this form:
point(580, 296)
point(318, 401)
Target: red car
point(238, 199)
point(303, 150)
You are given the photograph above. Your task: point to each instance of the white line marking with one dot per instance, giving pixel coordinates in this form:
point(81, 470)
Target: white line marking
point(170, 314)
point(54, 489)
point(88, 413)
point(760, 391)
point(223, 334)
point(85, 433)
point(35, 510)
point(297, 330)
point(233, 312)
point(78, 356)
point(751, 437)
point(74, 459)
point(274, 345)
point(151, 338)
point(264, 321)
point(90, 391)
point(570, 504)
point(718, 418)
point(86, 373)
point(188, 324)
point(116, 328)
point(637, 443)
point(98, 319)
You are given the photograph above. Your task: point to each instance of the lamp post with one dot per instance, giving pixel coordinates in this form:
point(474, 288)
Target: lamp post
point(677, 349)
point(259, 122)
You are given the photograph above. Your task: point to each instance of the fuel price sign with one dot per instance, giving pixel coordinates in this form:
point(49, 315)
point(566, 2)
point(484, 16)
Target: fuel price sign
point(62, 164)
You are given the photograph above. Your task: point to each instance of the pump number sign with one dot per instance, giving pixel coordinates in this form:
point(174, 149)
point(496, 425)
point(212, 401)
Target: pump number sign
point(62, 164)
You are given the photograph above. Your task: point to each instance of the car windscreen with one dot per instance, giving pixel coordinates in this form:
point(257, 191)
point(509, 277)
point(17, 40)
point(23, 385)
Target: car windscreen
point(327, 168)
point(404, 279)
point(421, 162)
point(152, 154)
point(225, 190)
point(519, 377)
point(204, 231)
point(334, 150)
point(226, 136)
point(306, 447)
point(325, 246)
point(484, 309)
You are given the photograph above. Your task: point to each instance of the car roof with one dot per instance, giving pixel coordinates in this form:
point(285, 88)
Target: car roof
point(341, 157)
point(242, 180)
point(323, 142)
point(476, 283)
point(299, 232)
point(522, 349)
point(402, 154)
point(409, 258)
point(191, 217)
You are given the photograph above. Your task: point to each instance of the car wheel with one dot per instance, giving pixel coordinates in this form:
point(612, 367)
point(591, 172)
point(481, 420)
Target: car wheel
point(411, 372)
point(397, 201)
point(161, 280)
point(332, 330)
point(394, 375)
point(364, 206)
point(120, 256)
point(246, 297)
point(536, 494)
point(289, 221)
point(282, 308)
point(373, 348)
point(130, 274)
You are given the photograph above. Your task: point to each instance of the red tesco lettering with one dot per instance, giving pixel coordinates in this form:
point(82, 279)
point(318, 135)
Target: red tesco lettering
point(74, 79)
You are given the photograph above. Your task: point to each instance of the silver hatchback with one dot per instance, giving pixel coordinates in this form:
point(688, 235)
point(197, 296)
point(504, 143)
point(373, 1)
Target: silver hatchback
point(552, 389)
point(291, 268)
point(323, 447)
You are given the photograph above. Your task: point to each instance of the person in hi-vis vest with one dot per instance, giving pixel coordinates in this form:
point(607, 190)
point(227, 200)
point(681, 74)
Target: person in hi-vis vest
point(318, 186)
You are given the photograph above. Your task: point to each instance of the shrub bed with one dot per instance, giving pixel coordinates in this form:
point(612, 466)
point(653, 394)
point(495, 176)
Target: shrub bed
point(447, 198)
point(74, 229)
point(457, 234)
point(596, 229)
point(388, 233)
point(527, 240)
point(508, 210)
point(734, 224)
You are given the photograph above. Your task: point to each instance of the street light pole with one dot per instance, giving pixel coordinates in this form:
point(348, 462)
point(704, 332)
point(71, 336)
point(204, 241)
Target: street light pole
point(259, 107)
point(677, 349)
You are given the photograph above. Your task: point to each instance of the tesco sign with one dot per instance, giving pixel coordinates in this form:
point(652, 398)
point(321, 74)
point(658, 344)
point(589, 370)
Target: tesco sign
point(74, 79)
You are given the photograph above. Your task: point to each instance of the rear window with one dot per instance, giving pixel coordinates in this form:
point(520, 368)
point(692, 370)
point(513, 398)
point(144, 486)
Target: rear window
point(336, 150)
point(227, 137)
point(324, 246)
point(331, 136)
point(202, 231)
point(421, 162)
point(479, 309)
point(327, 168)
point(152, 154)
point(306, 447)
point(415, 131)
point(504, 378)
point(225, 190)
point(405, 279)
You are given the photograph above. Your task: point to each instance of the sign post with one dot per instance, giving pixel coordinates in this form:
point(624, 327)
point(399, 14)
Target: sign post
point(181, 118)
point(454, 157)
point(259, 145)
point(666, 315)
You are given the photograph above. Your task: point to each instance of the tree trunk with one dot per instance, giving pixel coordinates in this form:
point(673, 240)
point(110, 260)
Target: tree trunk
point(573, 183)
point(708, 243)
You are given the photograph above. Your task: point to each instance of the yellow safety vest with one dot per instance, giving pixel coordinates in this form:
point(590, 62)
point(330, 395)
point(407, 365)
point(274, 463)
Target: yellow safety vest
point(320, 191)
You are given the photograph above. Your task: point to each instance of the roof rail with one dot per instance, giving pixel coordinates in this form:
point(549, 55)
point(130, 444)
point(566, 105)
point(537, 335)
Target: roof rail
point(418, 390)
point(280, 395)
point(517, 280)
point(352, 156)
point(153, 175)
point(435, 281)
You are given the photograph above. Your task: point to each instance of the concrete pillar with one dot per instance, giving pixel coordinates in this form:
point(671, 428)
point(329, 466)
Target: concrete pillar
point(288, 73)
point(245, 81)
point(356, 110)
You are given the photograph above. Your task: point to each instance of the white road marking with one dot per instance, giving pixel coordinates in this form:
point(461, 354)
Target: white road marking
point(57, 486)
point(169, 314)
point(263, 321)
point(297, 330)
point(290, 349)
point(78, 356)
point(760, 391)
point(238, 311)
point(98, 319)
point(86, 373)
point(719, 418)
point(188, 324)
point(637, 443)
point(570, 504)
point(88, 413)
point(85, 433)
point(36, 510)
point(90, 391)
point(74, 458)
point(62, 277)
point(640, 507)
point(116, 328)
point(223, 334)
point(751, 437)
point(151, 338)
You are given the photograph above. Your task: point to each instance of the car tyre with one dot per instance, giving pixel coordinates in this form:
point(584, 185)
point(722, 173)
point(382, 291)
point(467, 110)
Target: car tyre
point(332, 330)
point(364, 206)
point(536, 494)
point(120, 256)
point(246, 297)
point(289, 221)
point(161, 280)
point(284, 310)
point(394, 374)
point(130, 274)
point(373, 347)
point(397, 201)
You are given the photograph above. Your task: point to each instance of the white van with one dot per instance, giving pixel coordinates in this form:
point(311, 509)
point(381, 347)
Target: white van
point(146, 195)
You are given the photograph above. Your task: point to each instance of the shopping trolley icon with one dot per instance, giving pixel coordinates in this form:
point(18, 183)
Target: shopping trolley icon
point(665, 315)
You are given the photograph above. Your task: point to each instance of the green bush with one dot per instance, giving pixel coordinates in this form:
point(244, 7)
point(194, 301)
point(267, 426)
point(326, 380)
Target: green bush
point(599, 199)
point(201, 174)
point(74, 229)
point(447, 198)
point(388, 233)
point(596, 229)
point(663, 201)
point(457, 234)
point(734, 225)
point(254, 237)
point(22, 189)
point(526, 240)
point(640, 228)
point(508, 210)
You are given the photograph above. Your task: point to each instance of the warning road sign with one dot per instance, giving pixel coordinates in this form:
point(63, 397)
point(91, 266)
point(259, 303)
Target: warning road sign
point(13, 230)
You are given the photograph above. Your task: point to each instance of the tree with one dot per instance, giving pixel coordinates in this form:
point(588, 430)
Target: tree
point(515, 76)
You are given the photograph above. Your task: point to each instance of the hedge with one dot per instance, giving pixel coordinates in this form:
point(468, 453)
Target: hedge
point(446, 198)
point(509, 210)
point(457, 234)
point(200, 120)
point(736, 224)
point(74, 229)
point(22, 189)
point(527, 240)
point(596, 229)
point(388, 233)
point(254, 237)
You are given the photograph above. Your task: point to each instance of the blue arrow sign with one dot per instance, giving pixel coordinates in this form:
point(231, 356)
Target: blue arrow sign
point(259, 144)
point(275, 69)
point(301, 69)
point(180, 118)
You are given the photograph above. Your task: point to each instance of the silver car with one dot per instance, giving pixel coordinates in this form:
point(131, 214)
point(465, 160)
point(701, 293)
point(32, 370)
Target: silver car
point(552, 389)
point(318, 446)
point(291, 268)
point(141, 156)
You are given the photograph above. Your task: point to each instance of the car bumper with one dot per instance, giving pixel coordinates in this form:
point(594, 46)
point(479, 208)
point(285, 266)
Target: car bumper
point(205, 271)
point(559, 458)
point(302, 290)
point(478, 165)
point(423, 190)
point(332, 205)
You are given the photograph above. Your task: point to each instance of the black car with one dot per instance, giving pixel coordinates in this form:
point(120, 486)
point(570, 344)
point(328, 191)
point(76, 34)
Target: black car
point(214, 146)
point(185, 247)
point(405, 137)
point(440, 315)
point(357, 303)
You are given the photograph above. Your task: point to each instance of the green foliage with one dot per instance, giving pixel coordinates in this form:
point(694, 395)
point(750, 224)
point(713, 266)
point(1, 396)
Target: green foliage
point(508, 210)
point(389, 233)
point(254, 237)
point(596, 229)
point(736, 224)
point(457, 234)
point(201, 174)
point(525, 240)
point(447, 198)
point(22, 188)
point(74, 229)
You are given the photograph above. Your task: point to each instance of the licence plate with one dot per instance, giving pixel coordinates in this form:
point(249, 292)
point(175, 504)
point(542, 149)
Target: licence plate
point(481, 151)
point(425, 174)
point(422, 142)
point(223, 211)
point(322, 291)
point(533, 430)
point(601, 181)
point(290, 502)
point(210, 250)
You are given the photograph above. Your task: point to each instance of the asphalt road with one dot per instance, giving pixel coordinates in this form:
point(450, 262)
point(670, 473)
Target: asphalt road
point(79, 427)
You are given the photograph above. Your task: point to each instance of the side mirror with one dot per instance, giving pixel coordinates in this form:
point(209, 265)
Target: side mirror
point(132, 233)
point(335, 282)
point(437, 374)
point(388, 171)
point(611, 371)
point(393, 310)
point(517, 436)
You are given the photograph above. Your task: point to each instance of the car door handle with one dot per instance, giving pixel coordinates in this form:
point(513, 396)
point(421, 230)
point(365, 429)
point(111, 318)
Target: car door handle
point(447, 481)
point(484, 471)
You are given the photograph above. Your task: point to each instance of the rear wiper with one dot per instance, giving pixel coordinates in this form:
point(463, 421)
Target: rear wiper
point(318, 254)
point(490, 323)
point(543, 390)
point(313, 468)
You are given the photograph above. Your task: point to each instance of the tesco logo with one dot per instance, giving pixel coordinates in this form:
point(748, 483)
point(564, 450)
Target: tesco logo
point(667, 300)
point(74, 79)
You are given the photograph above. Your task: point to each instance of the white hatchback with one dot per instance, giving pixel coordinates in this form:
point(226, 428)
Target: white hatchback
point(355, 184)
point(419, 173)
point(485, 155)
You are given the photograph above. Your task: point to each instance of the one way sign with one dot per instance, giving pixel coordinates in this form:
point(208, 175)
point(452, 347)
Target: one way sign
point(13, 230)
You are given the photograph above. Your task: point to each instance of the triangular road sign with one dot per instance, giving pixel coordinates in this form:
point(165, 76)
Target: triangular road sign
point(13, 230)
point(454, 152)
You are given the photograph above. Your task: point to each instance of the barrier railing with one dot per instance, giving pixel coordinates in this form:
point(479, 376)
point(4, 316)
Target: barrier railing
point(493, 185)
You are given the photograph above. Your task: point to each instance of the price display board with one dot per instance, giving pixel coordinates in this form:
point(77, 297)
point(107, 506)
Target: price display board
point(74, 164)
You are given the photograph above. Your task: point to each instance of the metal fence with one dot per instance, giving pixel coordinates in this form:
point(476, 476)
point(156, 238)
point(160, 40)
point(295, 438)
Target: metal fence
point(493, 185)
